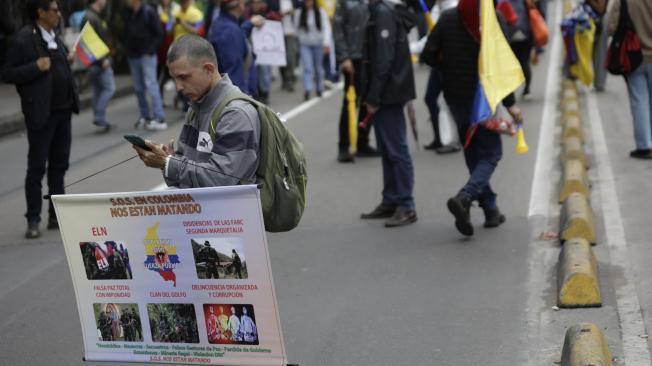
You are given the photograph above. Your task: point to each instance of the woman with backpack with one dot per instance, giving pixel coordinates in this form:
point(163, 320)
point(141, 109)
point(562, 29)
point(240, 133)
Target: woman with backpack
point(313, 29)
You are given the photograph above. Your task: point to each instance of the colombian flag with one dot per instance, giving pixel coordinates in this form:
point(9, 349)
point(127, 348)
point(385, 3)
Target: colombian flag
point(89, 46)
point(499, 72)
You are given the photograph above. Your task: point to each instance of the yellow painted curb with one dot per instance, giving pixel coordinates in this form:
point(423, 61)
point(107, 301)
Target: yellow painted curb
point(568, 84)
point(569, 94)
point(572, 126)
point(577, 276)
point(572, 149)
point(585, 345)
point(569, 105)
point(577, 219)
point(575, 179)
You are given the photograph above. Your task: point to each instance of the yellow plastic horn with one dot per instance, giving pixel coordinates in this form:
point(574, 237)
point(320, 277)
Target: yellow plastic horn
point(521, 145)
point(353, 120)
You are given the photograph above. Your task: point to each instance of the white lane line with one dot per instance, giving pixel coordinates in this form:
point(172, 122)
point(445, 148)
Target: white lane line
point(635, 347)
point(287, 116)
point(541, 347)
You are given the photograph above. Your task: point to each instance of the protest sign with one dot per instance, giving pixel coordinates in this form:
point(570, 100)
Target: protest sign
point(179, 276)
point(269, 44)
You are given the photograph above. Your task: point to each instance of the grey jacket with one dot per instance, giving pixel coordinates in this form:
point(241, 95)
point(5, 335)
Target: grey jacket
point(229, 160)
point(349, 27)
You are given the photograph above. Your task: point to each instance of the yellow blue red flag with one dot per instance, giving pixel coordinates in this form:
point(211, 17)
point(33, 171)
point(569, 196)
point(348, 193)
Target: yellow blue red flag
point(499, 72)
point(90, 47)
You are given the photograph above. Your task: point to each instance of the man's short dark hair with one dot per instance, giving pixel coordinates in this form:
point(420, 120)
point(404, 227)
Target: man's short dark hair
point(193, 47)
point(32, 7)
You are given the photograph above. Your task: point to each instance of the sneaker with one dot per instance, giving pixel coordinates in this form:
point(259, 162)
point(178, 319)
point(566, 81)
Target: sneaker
point(53, 223)
point(367, 152)
point(448, 149)
point(402, 217)
point(141, 123)
point(156, 125)
point(328, 85)
point(345, 157)
point(527, 96)
point(381, 211)
point(306, 96)
point(103, 126)
point(493, 218)
point(32, 231)
point(460, 207)
point(641, 154)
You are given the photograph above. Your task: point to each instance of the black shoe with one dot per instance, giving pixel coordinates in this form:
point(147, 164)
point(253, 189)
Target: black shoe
point(448, 149)
point(319, 94)
point(53, 224)
point(32, 230)
point(493, 218)
point(103, 126)
point(641, 154)
point(306, 95)
point(433, 145)
point(460, 207)
point(401, 217)
point(381, 211)
point(345, 157)
point(367, 152)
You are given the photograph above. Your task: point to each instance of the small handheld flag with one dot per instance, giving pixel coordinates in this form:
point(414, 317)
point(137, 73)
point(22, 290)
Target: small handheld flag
point(89, 46)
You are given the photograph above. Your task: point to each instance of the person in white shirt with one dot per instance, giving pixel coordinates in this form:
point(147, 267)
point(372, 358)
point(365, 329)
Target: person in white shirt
point(313, 29)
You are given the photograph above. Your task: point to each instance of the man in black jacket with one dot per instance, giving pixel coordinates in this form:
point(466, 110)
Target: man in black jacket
point(453, 47)
point(143, 36)
point(349, 30)
point(390, 86)
point(38, 64)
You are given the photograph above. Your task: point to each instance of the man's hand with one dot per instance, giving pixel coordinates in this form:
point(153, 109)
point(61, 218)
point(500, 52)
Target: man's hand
point(371, 109)
point(71, 56)
point(347, 67)
point(516, 114)
point(155, 158)
point(257, 21)
point(43, 63)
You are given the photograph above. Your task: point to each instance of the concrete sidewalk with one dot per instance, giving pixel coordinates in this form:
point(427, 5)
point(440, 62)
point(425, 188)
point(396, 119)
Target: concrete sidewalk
point(11, 117)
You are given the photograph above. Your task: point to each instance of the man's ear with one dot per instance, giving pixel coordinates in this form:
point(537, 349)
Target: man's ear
point(209, 68)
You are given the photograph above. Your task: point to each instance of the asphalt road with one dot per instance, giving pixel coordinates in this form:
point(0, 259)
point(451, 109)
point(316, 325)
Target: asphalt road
point(351, 292)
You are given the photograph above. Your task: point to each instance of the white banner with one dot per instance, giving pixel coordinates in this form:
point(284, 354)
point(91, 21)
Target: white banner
point(180, 276)
point(269, 44)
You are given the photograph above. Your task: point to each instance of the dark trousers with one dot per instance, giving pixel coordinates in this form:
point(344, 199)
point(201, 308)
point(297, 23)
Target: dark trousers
point(522, 51)
point(363, 133)
point(432, 94)
point(481, 157)
point(398, 172)
point(47, 146)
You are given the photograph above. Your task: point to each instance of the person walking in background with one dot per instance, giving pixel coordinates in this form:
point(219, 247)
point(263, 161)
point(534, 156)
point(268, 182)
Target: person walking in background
point(312, 27)
point(433, 89)
point(37, 62)
point(143, 37)
point(599, 44)
point(519, 36)
point(100, 72)
point(229, 39)
point(188, 19)
point(390, 85)
point(639, 81)
point(165, 10)
point(349, 31)
point(260, 7)
point(291, 45)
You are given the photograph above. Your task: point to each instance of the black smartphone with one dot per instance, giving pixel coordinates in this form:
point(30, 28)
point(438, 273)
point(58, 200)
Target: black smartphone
point(137, 141)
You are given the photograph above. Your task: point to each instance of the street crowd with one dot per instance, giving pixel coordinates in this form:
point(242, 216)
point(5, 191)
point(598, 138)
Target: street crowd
point(205, 50)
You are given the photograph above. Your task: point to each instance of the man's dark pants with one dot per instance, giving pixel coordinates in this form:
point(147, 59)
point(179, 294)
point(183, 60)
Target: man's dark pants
point(47, 146)
point(481, 156)
point(363, 133)
point(398, 171)
point(433, 90)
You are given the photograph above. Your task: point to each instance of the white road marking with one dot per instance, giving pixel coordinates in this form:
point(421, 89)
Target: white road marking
point(289, 115)
point(540, 347)
point(635, 347)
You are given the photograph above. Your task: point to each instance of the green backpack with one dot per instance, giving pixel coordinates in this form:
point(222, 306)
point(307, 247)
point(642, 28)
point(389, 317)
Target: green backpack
point(281, 167)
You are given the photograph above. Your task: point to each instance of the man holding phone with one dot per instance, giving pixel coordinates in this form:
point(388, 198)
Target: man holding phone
point(38, 63)
point(200, 161)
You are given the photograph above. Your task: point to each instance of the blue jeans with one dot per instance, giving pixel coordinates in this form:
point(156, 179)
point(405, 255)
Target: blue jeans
point(264, 78)
point(143, 72)
point(481, 157)
point(639, 86)
point(311, 58)
point(103, 89)
point(398, 172)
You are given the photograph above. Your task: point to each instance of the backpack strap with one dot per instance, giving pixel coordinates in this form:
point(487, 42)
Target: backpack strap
point(217, 112)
